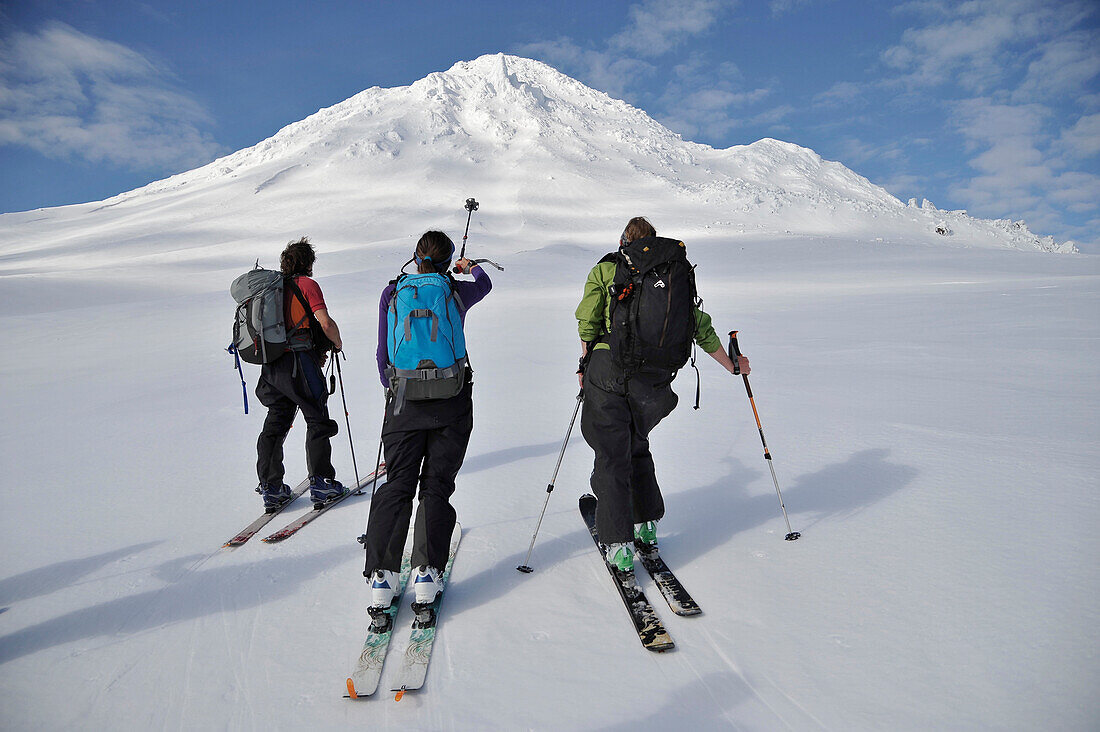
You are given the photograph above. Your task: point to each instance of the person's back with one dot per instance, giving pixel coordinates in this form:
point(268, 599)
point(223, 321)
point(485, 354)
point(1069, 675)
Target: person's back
point(428, 419)
point(631, 347)
point(295, 382)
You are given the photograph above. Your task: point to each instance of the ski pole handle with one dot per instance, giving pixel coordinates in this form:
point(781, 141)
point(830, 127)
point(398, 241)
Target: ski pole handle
point(735, 353)
point(471, 206)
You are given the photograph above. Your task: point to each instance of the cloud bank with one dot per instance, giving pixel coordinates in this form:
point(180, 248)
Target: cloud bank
point(69, 95)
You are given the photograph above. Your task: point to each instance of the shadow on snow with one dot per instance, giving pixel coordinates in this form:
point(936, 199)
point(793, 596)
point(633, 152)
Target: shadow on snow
point(192, 594)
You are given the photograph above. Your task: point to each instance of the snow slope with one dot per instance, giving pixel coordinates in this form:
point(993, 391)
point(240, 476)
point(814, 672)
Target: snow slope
point(931, 402)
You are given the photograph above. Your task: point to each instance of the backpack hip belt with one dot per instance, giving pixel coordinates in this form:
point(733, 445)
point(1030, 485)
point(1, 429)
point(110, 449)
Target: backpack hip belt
point(426, 384)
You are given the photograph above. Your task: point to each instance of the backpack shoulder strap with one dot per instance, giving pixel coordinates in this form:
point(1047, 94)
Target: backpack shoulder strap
point(454, 293)
point(320, 338)
point(290, 284)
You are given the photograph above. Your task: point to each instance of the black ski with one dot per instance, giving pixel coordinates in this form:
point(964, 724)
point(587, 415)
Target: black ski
point(294, 526)
point(679, 599)
point(651, 632)
point(249, 531)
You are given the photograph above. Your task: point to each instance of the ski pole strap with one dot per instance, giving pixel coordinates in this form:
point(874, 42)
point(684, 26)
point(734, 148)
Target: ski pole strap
point(244, 387)
point(582, 365)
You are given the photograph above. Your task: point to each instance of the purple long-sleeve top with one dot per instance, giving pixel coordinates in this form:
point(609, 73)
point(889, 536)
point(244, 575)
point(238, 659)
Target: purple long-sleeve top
point(470, 293)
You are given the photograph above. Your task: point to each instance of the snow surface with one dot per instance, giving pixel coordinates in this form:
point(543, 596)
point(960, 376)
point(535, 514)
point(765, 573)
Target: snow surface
point(931, 402)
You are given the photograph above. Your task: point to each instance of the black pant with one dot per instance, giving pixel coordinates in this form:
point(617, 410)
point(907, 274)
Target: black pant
point(618, 414)
point(425, 446)
point(294, 381)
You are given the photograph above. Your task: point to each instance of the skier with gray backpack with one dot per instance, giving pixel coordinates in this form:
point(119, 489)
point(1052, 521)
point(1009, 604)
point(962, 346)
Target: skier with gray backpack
point(282, 323)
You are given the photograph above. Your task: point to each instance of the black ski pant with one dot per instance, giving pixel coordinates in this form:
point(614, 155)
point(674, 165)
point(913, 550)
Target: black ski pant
point(618, 414)
point(294, 381)
point(424, 446)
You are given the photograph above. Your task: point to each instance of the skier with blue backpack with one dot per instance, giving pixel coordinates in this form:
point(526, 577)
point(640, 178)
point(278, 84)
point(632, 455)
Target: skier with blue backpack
point(423, 365)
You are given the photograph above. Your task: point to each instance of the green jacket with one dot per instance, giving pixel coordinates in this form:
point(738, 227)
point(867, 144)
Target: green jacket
point(594, 312)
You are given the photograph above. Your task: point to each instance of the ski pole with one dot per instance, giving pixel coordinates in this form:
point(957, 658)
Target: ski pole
point(526, 568)
point(362, 538)
point(347, 417)
point(378, 458)
point(734, 354)
point(471, 206)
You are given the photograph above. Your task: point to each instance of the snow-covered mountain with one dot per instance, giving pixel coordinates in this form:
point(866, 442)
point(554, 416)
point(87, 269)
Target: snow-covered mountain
point(524, 138)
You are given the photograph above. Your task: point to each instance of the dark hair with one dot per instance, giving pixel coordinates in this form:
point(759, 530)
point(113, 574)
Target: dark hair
point(297, 258)
point(638, 228)
point(434, 252)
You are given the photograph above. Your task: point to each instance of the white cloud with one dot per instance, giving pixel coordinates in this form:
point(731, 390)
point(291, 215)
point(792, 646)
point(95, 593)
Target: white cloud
point(1082, 140)
point(982, 44)
point(984, 121)
point(840, 94)
point(67, 94)
point(1065, 66)
point(857, 152)
point(700, 98)
point(658, 26)
point(1021, 73)
point(774, 115)
point(608, 72)
point(779, 7)
point(1019, 171)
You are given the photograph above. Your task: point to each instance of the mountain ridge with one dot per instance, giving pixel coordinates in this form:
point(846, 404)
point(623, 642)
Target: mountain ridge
point(519, 131)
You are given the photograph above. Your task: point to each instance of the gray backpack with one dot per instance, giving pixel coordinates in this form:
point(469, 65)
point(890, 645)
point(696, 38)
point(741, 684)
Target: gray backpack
point(259, 328)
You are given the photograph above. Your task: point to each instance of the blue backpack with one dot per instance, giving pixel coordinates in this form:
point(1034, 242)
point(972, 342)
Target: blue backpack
point(424, 339)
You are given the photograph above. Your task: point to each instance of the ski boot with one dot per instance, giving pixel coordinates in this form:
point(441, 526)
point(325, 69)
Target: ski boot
point(645, 537)
point(323, 491)
point(275, 495)
point(383, 586)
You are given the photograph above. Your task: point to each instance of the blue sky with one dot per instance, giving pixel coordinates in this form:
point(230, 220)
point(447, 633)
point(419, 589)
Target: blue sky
point(987, 105)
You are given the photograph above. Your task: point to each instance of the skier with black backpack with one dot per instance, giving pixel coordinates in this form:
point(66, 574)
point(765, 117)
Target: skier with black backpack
point(637, 320)
point(283, 323)
point(423, 365)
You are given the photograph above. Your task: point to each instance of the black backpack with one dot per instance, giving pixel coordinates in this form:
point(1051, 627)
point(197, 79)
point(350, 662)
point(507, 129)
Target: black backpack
point(653, 302)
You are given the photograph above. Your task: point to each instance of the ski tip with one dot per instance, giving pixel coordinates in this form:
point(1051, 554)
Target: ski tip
point(351, 689)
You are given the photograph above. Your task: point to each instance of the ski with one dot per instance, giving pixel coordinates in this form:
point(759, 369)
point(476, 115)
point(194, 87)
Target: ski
point(249, 531)
point(294, 526)
point(418, 653)
point(679, 599)
point(364, 679)
point(651, 632)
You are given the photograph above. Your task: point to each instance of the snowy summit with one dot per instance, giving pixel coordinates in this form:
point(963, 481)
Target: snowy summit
point(519, 128)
